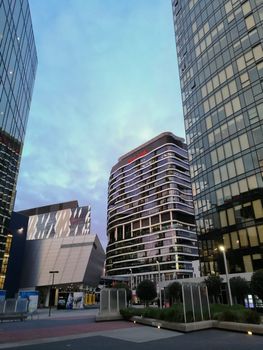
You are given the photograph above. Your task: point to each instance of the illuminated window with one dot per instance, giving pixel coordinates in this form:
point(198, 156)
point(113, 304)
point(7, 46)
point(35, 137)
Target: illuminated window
point(250, 22)
point(243, 186)
point(246, 7)
point(258, 209)
point(234, 240)
point(231, 216)
point(260, 233)
point(228, 149)
point(244, 78)
point(223, 219)
point(226, 239)
point(243, 238)
point(239, 166)
point(247, 263)
point(252, 236)
point(258, 52)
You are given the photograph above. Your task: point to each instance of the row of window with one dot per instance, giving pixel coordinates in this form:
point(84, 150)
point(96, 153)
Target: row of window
point(154, 171)
point(180, 209)
point(131, 167)
point(148, 202)
point(158, 223)
point(240, 213)
point(150, 183)
point(236, 188)
point(224, 195)
point(230, 148)
point(166, 182)
point(247, 237)
point(229, 170)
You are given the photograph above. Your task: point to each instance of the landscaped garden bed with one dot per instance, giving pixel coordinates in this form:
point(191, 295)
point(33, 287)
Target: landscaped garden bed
point(235, 318)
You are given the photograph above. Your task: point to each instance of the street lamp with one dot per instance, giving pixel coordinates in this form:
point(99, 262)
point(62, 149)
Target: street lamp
point(159, 278)
point(222, 249)
point(53, 277)
point(131, 278)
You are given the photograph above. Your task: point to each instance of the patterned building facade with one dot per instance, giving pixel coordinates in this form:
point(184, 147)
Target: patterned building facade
point(220, 57)
point(18, 62)
point(65, 222)
point(150, 213)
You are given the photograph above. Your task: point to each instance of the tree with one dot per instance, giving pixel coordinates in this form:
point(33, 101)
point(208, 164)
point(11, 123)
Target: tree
point(126, 287)
point(257, 283)
point(213, 284)
point(239, 288)
point(174, 292)
point(146, 291)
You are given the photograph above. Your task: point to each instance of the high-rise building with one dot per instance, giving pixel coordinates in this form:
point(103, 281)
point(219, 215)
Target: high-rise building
point(150, 225)
point(219, 49)
point(18, 62)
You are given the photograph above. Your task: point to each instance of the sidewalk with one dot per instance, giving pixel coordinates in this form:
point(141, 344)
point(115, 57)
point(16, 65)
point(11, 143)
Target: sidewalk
point(62, 324)
point(78, 330)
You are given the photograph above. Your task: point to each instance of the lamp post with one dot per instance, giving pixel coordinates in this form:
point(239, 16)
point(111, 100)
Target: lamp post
point(131, 278)
point(222, 249)
point(53, 277)
point(160, 290)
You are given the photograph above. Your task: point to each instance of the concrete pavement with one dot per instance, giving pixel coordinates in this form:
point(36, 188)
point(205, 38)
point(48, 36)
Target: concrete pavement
point(77, 329)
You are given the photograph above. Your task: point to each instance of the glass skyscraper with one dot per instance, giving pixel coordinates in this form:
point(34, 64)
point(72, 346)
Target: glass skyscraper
point(18, 62)
point(220, 58)
point(150, 213)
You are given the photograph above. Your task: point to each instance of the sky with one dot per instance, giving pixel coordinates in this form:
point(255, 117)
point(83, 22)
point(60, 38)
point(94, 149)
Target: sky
point(107, 81)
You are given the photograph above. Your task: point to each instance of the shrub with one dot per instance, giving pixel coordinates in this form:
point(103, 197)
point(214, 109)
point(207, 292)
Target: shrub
point(229, 316)
point(250, 316)
point(173, 314)
point(235, 313)
point(216, 309)
point(127, 313)
point(151, 313)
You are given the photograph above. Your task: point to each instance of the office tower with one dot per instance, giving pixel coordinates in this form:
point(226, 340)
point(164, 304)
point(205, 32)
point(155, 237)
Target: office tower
point(15, 247)
point(219, 49)
point(150, 224)
point(18, 61)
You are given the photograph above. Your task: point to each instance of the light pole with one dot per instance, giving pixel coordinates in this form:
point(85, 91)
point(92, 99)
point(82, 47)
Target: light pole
point(222, 249)
point(160, 290)
point(53, 277)
point(131, 278)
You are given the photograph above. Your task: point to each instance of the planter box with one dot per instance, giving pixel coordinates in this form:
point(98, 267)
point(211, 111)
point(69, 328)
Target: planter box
point(197, 326)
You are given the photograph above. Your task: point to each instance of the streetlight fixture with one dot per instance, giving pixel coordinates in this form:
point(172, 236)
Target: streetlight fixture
point(159, 284)
point(131, 278)
point(53, 277)
point(222, 249)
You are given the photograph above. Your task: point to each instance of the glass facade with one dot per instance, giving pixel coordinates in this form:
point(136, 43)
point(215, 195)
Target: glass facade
point(150, 212)
point(18, 61)
point(220, 58)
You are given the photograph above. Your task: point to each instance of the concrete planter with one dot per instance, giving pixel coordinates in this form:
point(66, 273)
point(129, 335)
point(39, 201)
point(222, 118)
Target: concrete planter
point(197, 326)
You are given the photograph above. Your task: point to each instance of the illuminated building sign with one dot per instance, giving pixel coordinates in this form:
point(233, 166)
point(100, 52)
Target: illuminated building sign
point(141, 154)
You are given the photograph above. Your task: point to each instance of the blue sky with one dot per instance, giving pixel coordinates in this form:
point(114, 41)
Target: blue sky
point(107, 81)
